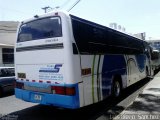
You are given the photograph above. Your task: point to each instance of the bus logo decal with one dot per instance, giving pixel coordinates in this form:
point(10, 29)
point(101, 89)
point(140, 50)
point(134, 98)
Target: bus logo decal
point(51, 68)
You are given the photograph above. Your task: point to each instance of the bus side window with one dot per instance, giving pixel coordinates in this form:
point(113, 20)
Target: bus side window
point(155, 55)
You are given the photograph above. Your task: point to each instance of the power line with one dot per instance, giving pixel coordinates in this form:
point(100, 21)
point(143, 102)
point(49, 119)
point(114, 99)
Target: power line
point(61, 6)
point(11, 26)
point(73, 5)
point(8, 26)
point(9, 29)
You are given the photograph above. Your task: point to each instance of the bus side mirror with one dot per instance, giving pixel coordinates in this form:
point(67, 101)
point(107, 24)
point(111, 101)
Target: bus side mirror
point(155, 55)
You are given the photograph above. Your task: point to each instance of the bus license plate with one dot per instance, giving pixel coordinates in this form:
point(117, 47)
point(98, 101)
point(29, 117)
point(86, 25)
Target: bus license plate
point(38, 97)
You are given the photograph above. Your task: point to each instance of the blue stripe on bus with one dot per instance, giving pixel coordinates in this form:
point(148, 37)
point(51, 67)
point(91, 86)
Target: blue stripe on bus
point(112, 65)
point(141, 60)
point(50, 99)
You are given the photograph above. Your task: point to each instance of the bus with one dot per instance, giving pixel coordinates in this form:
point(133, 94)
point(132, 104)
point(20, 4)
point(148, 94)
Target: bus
point(155, 46)
point(66, 61)
point(155, 60)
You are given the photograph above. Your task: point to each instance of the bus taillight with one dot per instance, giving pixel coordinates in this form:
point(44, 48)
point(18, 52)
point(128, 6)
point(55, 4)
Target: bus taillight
point(70, 91)
point(63, 90)
point(59, 90)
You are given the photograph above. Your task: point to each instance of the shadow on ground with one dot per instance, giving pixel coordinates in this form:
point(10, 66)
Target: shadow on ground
point(146, 103)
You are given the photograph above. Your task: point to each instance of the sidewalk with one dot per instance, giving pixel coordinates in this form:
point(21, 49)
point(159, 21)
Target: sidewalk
point(147, 105)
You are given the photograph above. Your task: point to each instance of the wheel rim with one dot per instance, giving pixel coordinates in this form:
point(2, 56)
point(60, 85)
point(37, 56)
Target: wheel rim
point(117, 89)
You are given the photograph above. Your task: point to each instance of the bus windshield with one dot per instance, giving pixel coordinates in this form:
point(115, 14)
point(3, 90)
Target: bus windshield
point(40, 29)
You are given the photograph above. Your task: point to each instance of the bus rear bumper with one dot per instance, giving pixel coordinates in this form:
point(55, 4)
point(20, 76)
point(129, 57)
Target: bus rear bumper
point(64, 101)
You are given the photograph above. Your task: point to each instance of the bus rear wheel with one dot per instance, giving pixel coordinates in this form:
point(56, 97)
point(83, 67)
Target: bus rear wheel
point(116, 88)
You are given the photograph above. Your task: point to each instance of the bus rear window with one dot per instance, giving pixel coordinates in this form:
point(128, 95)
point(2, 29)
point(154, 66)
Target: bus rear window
point(40, 29)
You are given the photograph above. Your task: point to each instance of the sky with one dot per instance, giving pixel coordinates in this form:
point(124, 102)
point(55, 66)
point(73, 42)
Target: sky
point(136, 16)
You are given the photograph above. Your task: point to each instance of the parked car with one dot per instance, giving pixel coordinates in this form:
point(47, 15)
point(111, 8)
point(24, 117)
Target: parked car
point(7, 79)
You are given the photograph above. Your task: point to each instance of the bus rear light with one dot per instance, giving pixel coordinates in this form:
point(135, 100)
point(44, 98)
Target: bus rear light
point(59, 90)
point(63, 90)
point(70, 91)
point(19, 85)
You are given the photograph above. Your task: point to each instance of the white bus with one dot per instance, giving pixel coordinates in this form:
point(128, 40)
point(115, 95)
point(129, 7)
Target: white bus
point(155, 60)
point(155, 46)
point(66, 61)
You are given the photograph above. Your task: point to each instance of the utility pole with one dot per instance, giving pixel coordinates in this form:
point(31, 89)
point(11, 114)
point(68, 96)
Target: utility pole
point(46, 8)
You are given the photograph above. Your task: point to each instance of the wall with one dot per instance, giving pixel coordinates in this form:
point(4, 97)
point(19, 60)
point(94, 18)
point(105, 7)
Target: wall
point(7, 38)
point(8, 31)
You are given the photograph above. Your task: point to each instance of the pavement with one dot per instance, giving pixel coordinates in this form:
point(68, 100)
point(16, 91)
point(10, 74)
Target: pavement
point(9, 104)
point(147, 105)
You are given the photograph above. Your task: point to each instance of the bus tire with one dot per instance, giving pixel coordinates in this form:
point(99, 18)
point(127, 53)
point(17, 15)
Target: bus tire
point(116, 88)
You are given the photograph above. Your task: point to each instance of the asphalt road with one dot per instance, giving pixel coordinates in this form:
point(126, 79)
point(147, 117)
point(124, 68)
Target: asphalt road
point(13, 108)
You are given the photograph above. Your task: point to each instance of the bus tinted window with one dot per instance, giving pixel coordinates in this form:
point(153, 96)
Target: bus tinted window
point(40, 29)
point(92, 38)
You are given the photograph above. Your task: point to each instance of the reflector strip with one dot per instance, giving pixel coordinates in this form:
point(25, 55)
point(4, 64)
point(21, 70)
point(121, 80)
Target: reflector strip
point(48, 81)
point(40, 81)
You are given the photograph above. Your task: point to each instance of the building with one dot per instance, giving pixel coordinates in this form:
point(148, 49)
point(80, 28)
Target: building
point(141, 36)
point(155, 44)
point(8, 31)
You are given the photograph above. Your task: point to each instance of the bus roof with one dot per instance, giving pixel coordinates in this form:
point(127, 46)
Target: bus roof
point(102, 26)
point(61, 12)
point(56, 13)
